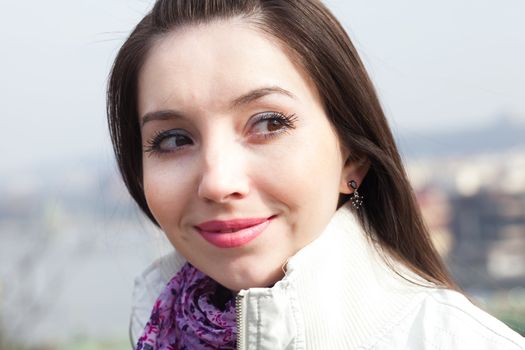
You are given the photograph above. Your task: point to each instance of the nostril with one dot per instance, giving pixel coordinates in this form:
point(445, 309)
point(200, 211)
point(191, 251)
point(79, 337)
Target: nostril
point(223, 178)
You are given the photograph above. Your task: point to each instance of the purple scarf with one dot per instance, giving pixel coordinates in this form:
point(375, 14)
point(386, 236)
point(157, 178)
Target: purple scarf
point(193, 312)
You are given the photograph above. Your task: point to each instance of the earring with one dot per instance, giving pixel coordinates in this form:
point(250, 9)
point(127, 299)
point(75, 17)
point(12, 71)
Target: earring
point(357, 199)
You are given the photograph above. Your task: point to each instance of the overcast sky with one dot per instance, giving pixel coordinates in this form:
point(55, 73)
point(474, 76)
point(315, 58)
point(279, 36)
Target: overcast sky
point(441, 64)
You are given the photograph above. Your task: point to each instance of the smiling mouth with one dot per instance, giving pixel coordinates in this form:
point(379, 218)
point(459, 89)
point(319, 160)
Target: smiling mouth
point(233, 233)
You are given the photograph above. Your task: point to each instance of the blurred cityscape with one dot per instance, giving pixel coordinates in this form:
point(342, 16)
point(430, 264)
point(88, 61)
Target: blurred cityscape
point(72, 241)
point(471, 189)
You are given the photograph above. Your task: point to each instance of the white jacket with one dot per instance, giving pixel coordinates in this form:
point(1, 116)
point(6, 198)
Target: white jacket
point(340, 293)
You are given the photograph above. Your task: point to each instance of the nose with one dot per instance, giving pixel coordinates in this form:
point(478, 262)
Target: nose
point(224, 174)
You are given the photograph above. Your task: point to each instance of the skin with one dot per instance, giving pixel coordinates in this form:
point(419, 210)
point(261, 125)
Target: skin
point(226, 163)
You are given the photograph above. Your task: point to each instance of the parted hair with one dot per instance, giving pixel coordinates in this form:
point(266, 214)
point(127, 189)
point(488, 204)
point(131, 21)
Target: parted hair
point(318, 43)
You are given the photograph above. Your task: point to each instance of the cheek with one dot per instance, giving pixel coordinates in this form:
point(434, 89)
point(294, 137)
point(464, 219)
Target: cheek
point(165, 189)
point(304, 170)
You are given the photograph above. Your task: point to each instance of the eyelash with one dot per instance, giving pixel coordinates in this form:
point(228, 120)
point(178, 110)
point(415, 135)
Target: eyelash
point(287, 121)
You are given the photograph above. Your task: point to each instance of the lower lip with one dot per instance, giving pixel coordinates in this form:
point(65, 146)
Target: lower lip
point(237, 238)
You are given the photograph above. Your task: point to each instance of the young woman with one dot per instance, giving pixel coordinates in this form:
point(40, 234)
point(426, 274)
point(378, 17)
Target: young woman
point(250, 133)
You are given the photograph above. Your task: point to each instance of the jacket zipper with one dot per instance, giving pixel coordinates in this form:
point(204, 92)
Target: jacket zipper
point(239, 316)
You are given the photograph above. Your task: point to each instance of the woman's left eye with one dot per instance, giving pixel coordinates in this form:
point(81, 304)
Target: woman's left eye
point(272, 123)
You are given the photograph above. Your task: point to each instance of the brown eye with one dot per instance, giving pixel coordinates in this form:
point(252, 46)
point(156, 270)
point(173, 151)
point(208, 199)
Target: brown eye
point(272, 123)
point(268, 125)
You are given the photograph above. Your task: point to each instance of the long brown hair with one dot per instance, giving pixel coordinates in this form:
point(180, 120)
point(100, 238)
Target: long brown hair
point(321, 46)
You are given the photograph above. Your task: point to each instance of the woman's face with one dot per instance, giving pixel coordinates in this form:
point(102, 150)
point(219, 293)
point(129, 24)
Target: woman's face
point(241, 166)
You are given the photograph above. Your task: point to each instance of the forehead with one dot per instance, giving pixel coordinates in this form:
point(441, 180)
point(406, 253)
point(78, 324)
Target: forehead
point(206, 66)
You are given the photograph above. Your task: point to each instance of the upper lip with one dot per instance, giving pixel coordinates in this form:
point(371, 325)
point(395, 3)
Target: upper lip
point(229, 225)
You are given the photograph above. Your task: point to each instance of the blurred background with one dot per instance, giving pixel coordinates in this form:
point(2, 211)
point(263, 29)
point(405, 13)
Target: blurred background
point(451, 78)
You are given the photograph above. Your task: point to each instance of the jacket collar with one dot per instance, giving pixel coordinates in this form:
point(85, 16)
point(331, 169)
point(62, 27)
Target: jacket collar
point(339, 292)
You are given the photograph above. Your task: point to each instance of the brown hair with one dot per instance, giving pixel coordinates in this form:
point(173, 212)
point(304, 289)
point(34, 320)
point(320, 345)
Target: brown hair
point(321, 46)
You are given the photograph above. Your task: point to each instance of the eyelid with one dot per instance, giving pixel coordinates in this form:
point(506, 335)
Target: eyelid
point(159, 135)
point(264, 115)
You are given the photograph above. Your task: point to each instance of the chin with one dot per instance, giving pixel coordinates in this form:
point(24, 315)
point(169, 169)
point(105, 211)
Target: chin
point(236, 278)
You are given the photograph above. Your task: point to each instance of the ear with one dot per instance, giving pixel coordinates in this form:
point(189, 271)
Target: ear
point(355, 168)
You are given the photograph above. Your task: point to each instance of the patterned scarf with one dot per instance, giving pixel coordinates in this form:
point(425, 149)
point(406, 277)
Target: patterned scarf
point(193, 312)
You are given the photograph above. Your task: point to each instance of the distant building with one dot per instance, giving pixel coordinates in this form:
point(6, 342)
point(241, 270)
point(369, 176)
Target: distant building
point(489, 240)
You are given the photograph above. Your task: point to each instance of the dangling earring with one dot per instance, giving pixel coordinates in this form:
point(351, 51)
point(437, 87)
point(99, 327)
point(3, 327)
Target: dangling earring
point(357, 200)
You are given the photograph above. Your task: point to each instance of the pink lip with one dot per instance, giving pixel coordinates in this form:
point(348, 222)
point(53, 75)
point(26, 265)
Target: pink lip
point(232, 233)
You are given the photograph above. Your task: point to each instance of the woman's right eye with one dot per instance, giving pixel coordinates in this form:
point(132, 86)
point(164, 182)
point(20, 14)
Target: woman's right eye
point(168, 141)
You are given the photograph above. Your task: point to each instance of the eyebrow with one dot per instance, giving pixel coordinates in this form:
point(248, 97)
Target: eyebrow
point(260, 93)
point(247, 98)
point(166, 114)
